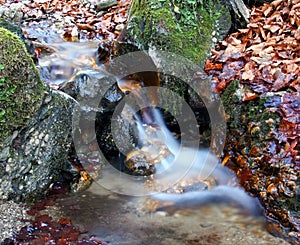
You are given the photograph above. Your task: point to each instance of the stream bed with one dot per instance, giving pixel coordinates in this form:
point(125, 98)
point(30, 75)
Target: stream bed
point(118, 219)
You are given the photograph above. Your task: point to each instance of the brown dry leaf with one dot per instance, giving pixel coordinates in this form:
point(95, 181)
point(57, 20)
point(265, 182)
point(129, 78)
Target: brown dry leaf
point(66, 9)
point(262, 61)
point(248, 75)
point(251, 65)
point(243, 31)
point(93, 21)
point(85, 27)
point(268, 50)
point(215, 52)
point(268, 10)
point(276, 3)
point(295, 6)
point(256, 48)
point(274, 28)
point(282, 54)
point(231, 49)
point(262, 32)
point(234, 41)
point(253, 25)
point(292, 68)
point(118, 19)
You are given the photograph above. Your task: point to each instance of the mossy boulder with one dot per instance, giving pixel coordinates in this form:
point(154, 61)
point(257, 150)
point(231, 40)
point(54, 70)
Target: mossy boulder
point(21, 90)
point(36, 127)
point(35, 158)
point(176, 38)
point(185, 28)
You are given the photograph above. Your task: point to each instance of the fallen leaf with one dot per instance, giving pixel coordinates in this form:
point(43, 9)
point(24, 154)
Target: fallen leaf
point(248, 75)
point(263, 61)
point(231, 49)
point(249, 96)
point(85, 27)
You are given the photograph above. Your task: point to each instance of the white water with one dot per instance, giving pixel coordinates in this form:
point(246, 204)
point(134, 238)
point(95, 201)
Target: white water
point(187, 163)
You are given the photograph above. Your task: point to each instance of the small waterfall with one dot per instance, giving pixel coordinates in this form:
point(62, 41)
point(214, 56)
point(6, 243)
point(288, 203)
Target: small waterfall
point(184, 164)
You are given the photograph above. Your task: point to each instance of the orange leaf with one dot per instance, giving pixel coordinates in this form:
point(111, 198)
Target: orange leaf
point(213, 66)
point(85, 27)
point(249, 96)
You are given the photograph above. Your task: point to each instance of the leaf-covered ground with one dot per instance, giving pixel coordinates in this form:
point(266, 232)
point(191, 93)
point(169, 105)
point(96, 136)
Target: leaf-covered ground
point(265, 60)
point(266, 56)
point(75, 19)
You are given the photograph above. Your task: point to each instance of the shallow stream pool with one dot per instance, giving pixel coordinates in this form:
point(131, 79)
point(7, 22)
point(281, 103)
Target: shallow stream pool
point(122, 220)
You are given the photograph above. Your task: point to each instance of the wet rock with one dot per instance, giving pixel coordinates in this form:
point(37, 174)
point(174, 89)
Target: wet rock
point(36, 126)
point(22, 89)
point(142, 161)
point(13, 218)
point(154, 27)
point(12, 13)
point(188, 37)
point(104, 5)
point(37, 156)
point(98, 95)
point(239, 13)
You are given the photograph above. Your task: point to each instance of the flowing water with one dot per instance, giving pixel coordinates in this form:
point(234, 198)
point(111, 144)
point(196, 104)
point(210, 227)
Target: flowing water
point(216, 214)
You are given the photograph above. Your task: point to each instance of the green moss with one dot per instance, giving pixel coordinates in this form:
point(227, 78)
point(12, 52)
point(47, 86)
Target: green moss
point(21, 89)
point(256, 112)
point(241, 113)
point(232, 104)
point(250, 124)
point(182, 27)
